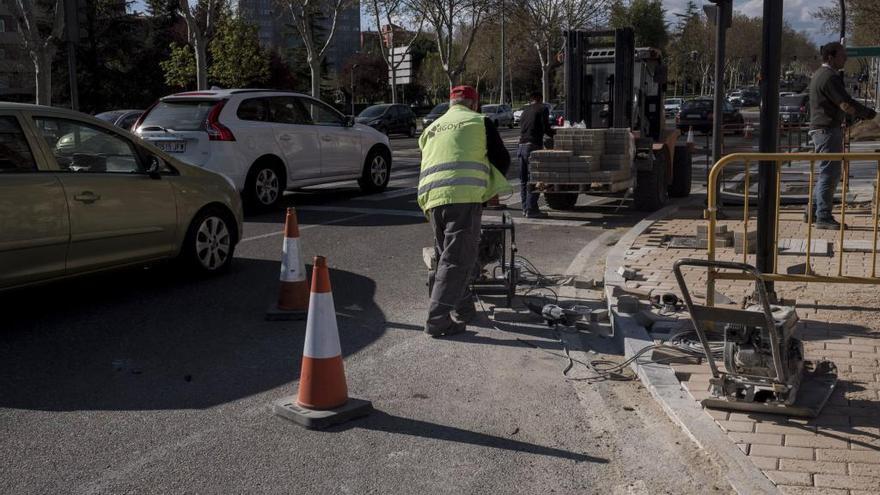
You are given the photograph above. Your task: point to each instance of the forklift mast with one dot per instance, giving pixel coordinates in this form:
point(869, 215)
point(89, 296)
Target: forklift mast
point(609, 83)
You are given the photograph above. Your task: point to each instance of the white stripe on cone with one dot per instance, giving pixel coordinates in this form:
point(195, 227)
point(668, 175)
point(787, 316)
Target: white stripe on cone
point(292, 267)
point(322, 334)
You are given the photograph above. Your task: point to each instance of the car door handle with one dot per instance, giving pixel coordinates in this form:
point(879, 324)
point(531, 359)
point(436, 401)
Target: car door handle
point(285, 137)
point(87, 197)
point(326, 138)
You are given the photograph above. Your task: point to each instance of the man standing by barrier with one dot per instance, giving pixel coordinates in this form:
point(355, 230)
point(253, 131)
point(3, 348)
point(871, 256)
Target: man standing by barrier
point(463, 165)
point(534, 125)
point(829, 106)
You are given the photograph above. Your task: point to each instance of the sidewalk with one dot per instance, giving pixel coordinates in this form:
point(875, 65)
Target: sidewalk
point(837, 452)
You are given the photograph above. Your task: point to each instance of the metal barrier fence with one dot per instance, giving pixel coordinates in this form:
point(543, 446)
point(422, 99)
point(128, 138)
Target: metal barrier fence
point(756, 159)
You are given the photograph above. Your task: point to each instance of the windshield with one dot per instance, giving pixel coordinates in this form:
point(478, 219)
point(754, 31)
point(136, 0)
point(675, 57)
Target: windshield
point(673, 101)
point(375, 111)
point(187, 115)
point(441, 108)
point(696, 105)
point(792, 101)
point(110, 116)
point(489, 108)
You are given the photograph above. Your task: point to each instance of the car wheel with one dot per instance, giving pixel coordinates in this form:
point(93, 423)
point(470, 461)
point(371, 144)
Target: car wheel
point(377, 172)
point(510, 125)
point(264, 186)
point(210, 242)
point(682, 172)
point(650, 192)
point(412, 131)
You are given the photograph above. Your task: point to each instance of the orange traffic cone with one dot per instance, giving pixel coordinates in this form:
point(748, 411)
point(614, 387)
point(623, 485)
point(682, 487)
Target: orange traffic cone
point(322, 399)
point(293, 298)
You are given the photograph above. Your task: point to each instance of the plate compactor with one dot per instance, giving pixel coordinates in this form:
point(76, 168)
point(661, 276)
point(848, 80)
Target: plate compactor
point(497, 246)
point(764, 366)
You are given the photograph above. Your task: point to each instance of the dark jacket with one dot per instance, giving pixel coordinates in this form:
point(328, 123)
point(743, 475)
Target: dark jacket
point(495, 149)
point(827, 92)
point(534, 124)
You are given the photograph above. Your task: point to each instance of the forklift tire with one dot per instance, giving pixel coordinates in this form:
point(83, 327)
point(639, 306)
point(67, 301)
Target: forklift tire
point(682, 173)
point(650, 192)
point(561, 201)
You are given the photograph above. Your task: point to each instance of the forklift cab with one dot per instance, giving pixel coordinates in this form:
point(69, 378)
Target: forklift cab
point(610, 83)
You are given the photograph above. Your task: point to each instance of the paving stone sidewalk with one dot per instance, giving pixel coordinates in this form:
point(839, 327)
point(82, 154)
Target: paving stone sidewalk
point(839, 451)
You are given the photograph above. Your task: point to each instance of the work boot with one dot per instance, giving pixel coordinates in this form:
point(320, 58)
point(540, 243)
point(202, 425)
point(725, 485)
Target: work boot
point(535, 214)
point(453, 329)
point(464, 316)
point(828, 224)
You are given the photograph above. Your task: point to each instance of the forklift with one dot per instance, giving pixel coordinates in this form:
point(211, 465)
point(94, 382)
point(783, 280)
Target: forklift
point(611, 84)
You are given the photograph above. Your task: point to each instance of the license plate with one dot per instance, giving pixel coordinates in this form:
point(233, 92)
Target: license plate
point(171, 146)
point(692, 116)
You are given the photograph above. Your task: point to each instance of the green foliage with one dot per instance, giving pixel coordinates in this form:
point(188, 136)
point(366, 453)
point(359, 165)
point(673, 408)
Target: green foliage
point(646, 17)
point(180, 67)
point(238, 60)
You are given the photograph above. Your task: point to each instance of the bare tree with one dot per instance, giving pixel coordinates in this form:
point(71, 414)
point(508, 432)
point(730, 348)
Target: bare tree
point(201, 19)
point(40, 46)
point(547, 19)
point(394, 13)
point(306, 15)
point(447, 16)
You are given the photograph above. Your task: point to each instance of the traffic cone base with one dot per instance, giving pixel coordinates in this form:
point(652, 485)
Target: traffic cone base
point(318, 419)
point(322, 399)
point(293, 296)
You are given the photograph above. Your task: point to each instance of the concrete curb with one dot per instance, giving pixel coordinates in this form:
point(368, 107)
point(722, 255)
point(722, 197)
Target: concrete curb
point(743, 476)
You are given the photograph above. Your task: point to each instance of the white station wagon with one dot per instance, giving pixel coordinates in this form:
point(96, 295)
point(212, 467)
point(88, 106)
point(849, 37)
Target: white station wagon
point(267, 141)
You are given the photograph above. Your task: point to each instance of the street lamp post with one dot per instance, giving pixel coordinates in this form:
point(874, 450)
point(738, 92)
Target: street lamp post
point(353, 67)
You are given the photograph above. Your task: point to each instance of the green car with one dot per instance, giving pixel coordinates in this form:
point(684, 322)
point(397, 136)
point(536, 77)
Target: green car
point(78, 195)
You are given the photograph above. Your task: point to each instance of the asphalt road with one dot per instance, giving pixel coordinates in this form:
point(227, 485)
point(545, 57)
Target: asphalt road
point(151, 381)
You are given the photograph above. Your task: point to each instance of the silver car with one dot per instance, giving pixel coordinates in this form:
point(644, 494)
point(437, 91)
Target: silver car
point(500, 115)
point(78, 195)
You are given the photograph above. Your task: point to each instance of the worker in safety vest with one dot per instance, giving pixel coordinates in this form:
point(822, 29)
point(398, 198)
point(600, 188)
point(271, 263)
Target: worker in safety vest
point(464, 163)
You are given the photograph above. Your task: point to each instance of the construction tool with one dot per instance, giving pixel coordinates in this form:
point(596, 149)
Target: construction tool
point(497, 246)
point(764, 366)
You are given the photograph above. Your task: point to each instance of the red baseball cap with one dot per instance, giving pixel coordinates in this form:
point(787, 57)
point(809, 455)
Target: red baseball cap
point(464, 92)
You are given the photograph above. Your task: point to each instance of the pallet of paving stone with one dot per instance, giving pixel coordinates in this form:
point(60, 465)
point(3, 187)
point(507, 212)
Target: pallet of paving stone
point(550, 156)
point(615, 162)
point(549, 166)
point(609, 176)
point(584, 163)
point(618, 141)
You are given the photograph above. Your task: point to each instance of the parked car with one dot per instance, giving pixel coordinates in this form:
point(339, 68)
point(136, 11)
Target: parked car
point(671, 106)
point(500, 115)
point(389, 119)
point(78, 195)
point(435, 114)
point(267, 141)
point(556, 116)
point(697, 113)
point(517, 115)
point(121, 118)
point(794, 109)
point(750, 98)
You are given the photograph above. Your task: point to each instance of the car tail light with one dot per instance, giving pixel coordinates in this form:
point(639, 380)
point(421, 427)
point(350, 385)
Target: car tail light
point(143, 116)
point(803, 109)
point(216, 130)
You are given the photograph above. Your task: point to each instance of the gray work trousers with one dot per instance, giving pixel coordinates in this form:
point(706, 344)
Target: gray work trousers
point(456, 243)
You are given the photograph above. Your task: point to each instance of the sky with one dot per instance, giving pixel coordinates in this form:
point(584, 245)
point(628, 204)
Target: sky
point(798, 13)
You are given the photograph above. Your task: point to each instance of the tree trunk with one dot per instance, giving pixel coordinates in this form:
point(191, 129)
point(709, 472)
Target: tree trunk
point(393, 83)
point(545, 81)
point(201, 67)
point(43, 76)
point(315, 68)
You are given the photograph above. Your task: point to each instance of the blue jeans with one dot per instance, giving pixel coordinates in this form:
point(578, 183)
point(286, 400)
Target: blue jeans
point(826, 141)
point(528, 198)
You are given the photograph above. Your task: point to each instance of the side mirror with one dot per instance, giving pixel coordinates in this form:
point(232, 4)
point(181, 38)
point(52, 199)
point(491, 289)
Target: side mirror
point(349, 121)
point(155, 167)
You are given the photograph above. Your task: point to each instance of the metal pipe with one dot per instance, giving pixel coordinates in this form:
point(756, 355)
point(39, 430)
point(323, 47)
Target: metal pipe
point(776, 224)
point(746, 215)
point(808, 269)
point(842, 217)
point(770, 74)
point(876, 214)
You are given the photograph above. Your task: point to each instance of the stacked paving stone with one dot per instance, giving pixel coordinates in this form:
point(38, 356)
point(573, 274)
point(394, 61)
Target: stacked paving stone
point(723, 237)
point(580, 157)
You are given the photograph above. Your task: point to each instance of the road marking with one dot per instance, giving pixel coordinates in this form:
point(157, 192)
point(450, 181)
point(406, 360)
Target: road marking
point(303, 227)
